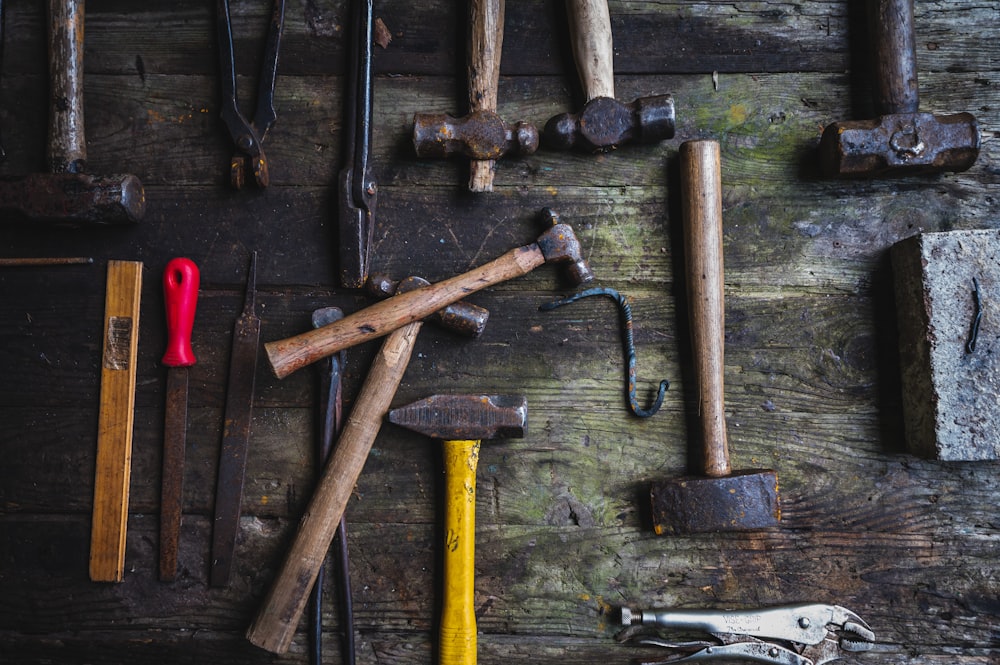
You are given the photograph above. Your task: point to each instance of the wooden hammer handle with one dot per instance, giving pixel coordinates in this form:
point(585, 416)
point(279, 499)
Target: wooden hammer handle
point(67, 143)
point(458, 615)
point(274, 626)
point(896, 88)
point(485, 46)
point(590, 30)
point(293, 353)
point(701, 200)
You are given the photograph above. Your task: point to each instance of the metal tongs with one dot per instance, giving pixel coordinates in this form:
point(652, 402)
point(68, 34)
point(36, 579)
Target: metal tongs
point(805, 634)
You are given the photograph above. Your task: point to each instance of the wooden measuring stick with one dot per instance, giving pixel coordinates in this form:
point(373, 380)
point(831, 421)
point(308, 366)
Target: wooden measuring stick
point(274, 626)
point(115, 421)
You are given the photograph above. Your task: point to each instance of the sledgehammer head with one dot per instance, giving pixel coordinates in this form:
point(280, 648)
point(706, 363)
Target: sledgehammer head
point(465, 417)
point(741, 501)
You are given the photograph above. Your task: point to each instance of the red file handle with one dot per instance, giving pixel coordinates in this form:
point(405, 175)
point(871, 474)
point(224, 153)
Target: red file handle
point(180, 295)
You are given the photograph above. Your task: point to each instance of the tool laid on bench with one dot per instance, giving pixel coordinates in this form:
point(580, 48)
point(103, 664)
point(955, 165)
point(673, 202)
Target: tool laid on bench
point(248, 135)
point(180, 299)
point(481, 135)
point(235, 434)
point(461, 422)
point(331, 421)
point(275, 624)
point(462, 317)
point(803, 634)
point(66, 194)
point(358, 189)
point(901, 141)
point(604, 122)
point(723, 500)
point(558, 244)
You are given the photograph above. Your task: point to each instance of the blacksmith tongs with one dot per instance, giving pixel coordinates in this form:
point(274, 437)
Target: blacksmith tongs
point(248, 137)
point(357, 188)
point(806, 634)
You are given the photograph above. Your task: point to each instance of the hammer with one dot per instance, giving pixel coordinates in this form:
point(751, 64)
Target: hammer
point(66, 194)
point(275, 623)
point(558, 244)
point(604, 122)
point(482, 135)
point(462, 422)
point(724, 500)
point(901, 141)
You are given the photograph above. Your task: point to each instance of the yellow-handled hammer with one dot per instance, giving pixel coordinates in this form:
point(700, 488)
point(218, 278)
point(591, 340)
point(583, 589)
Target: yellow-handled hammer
point(462, 422)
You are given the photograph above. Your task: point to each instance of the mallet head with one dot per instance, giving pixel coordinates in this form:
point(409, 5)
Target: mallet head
point(605, 123)
point(559, 244)
point(465, 417)
point(741, 501)
point(481, 135)
point(900, 144)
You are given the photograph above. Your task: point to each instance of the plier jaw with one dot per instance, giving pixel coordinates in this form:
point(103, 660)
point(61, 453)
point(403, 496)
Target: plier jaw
point(803, 634)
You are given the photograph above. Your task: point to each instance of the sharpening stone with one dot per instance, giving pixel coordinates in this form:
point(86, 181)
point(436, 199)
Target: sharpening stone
point(951, 393)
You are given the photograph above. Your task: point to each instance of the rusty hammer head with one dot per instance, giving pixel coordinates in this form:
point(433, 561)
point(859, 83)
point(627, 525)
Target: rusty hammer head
point(605, 123)
point(466, 417)
point(75, 199)
point(461, 317)
point(481, 135)
point(560, 245)
point(740, 501)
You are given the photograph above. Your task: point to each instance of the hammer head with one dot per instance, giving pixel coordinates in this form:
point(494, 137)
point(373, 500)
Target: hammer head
point(481, 135)
point(560, 245)
point(74, 198)
point(900, 144)
point(605, 123)
point(741, 501)
point(460, 317)
point(465, 417)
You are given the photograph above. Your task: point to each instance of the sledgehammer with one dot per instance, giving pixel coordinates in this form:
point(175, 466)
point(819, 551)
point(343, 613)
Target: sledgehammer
point(66, 194)
point(723, 500)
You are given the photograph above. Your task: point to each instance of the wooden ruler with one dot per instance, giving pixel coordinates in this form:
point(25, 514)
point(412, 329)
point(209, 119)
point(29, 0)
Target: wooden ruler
point(115, 422)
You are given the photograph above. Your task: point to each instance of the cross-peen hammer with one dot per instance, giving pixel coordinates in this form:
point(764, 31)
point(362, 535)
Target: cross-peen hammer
point(558, 244)
point(66, 194)
point(604, 122)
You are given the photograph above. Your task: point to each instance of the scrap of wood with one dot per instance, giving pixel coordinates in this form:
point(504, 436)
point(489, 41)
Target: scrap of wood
point(115, 421)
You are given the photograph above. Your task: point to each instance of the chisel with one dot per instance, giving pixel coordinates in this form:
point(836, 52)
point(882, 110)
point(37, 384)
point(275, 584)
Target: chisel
point(180, 296)
point(235, 434)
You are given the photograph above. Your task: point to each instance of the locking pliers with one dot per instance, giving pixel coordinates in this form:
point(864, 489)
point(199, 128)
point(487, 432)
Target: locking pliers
point(804, 634)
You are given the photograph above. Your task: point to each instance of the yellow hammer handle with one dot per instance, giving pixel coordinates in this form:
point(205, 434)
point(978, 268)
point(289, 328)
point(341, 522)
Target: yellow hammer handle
point(458, 616)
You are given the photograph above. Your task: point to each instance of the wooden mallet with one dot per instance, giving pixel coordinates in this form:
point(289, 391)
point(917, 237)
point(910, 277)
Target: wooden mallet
point(723, 500)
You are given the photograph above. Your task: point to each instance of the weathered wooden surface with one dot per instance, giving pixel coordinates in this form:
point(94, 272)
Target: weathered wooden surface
point(564, 535)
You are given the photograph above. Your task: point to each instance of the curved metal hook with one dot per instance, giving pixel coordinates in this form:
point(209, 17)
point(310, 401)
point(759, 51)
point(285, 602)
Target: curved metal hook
point(626, 315)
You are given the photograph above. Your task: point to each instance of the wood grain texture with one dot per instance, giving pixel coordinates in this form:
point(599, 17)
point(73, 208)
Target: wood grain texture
point(563, 531)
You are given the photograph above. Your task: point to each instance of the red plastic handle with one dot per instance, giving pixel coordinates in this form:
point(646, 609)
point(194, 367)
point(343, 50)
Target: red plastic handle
point(180, 295)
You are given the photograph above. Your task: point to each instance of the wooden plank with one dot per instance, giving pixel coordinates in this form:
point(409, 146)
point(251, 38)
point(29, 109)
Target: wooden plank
point(115, 421)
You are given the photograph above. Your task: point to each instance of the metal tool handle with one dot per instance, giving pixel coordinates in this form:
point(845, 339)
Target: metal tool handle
point(486, 19)
point(180, 295)
point(896, 88)
point(275, 624)
point(458, 616)
point(593, 50)
point(67, 143)
point(701, 197)
point(293, 353)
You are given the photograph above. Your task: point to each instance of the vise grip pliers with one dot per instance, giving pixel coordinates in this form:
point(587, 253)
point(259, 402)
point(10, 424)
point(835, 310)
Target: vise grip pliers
point(248, 136)
point(805, 634)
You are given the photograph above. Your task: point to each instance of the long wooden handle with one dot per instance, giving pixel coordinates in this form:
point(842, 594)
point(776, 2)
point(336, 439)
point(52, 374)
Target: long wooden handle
point(701, 197)
point(896, 88)
point(67, 145)
point(275, 624)
point(293, 353)
point(458, 615)
point(590, 30)
point(485, 46)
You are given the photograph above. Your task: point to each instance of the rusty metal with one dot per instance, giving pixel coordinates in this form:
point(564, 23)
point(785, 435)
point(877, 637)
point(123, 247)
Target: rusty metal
point(358, 188)
point(235, 434)
point(248, 135)
point(605, 123)
point(740, 501)
point(331, 419)
point(901, 141)
point(481, 135)
point(559, 244)
point(471, 417)
point(460, 317)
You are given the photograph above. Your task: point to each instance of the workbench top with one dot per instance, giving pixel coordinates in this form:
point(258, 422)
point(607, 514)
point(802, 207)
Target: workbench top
point(564, 536)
